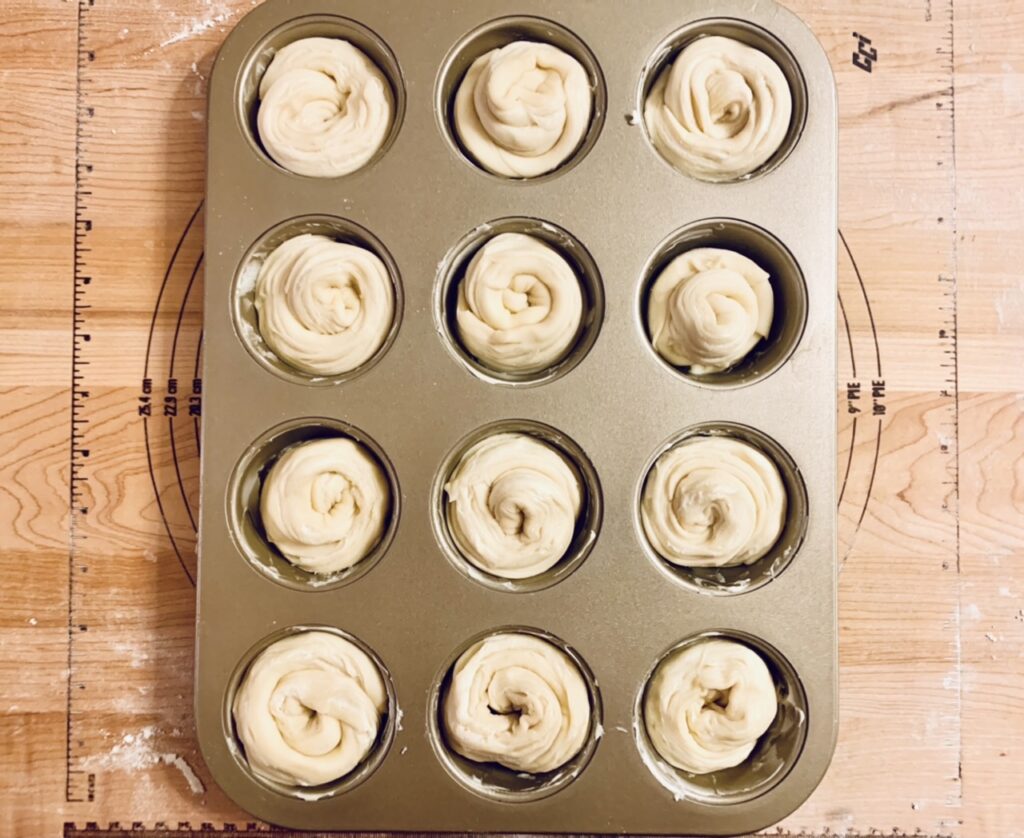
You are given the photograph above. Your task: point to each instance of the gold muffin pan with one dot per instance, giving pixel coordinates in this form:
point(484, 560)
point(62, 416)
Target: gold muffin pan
point(618, 212)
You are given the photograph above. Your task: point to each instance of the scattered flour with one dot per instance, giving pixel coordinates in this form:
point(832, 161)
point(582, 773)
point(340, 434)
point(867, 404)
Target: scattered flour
point(138, 657)
point(136, 752)
point(198, 27)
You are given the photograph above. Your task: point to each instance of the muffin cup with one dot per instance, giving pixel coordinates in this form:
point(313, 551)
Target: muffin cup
point(491, 780)
point(588, 522)
point(255, 64)
point(494, 35)
point(736, 579)
point(366, 767)
point(243, 504)
point(452, 271)
point(788, 288)
point(775, 754)
point(752, 36)
point(243, 292)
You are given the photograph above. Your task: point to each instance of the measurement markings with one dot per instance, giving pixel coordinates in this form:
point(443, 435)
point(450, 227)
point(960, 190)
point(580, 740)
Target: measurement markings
point(873, 396)
point(146, 396)
point(79, 785)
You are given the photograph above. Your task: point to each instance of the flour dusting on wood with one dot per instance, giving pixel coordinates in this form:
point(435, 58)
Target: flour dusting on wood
point(136, 752)
point(200, 25)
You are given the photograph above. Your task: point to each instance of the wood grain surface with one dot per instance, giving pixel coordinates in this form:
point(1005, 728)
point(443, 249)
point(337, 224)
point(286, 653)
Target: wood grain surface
point(105, 101)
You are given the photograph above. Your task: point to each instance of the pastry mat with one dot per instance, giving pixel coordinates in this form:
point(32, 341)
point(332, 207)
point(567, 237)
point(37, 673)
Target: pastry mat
point(97, 719)
point(169, 400)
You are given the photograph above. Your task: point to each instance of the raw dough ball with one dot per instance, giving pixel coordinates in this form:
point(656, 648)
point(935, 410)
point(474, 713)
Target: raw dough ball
point(713, 502)
point(523, 109)
point(325, 504)
point(325, 108)
point(708, 308)
point(707, 705)
point(512, 505)
point(720, 110)
point(324, 307)
point(520, 305)
point(308, 709)
point(517, 700)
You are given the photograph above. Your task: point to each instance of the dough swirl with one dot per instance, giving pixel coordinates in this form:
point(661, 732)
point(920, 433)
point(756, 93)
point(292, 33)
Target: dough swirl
point(324, 504)
point(713, 502)
point(707, 705)
point(512, 505)
point(720, 110)
point(325, 108)
point(708, 308)
point(309, 708)
point(324, 307)
point(517, 700)
point(523, 109)
point(520, 305)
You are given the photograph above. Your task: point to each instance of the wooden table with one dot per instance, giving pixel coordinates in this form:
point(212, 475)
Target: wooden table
point(101, 184)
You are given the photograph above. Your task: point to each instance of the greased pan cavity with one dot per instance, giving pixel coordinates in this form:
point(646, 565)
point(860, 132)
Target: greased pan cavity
point(618, 212)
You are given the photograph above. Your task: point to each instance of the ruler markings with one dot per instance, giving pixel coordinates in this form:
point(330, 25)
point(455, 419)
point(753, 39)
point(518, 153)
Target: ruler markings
point(855, 390)
point(256, 830)
point(949, 341)
point(954, 349)
point(79, 785)
point(948, 302)
point(172, 381)
point(196, 378)
point(146, 397)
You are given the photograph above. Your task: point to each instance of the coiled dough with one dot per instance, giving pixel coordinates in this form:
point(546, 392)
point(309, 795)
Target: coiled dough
point(325, 108)
point(523, 109)
point(713, 502)
point(324, 307)
point(520, 305)
point(513, 502)
point(720, 110)
point(708, 308)
point(708, 704)
point(325, 504)
point(517, 700)
point(309, 708)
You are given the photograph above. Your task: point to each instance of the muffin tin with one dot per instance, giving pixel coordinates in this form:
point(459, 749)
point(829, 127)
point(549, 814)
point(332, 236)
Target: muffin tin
point(618, 212)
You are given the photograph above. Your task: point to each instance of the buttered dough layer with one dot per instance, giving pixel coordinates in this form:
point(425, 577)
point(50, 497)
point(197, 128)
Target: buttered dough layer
point(519, 701)
point(325, 504)
point(708, 704)
point(324, 307)
point(720, 110)
point(325, 108)
point(713, 502)
point(512, 505)
point(308, 709)
point(708, 308)
point(523, 109)
point(519, 305)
